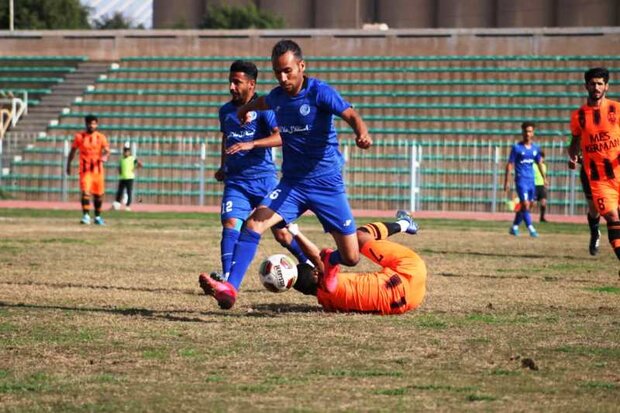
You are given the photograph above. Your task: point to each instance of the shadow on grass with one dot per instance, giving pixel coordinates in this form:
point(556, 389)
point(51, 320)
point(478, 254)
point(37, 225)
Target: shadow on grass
point(269, 310)
point(261, 310)
point(103, 287)
point(168, 315)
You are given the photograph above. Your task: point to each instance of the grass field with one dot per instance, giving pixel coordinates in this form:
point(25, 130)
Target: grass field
point(112, 319)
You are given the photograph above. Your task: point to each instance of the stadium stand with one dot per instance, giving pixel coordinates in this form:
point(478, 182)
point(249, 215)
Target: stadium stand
point(455, 109)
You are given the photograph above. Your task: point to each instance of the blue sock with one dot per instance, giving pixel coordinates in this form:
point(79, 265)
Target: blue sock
point(297, 252)
point(227, 247)
point(527, 218)
point(334, 259)
point(242, 258)
point(518, 218)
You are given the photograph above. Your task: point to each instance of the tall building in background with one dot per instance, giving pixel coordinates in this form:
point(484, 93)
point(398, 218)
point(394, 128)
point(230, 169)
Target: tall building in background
point(138, 12)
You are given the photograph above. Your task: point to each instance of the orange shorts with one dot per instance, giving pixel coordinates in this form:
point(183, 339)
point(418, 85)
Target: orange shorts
point(606, 195)
point(92, 183)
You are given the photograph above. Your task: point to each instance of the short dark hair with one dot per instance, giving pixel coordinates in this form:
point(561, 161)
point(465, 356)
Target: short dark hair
point(306, 283)
point(528, 124)
point(90, 118)
point(246, 67)
point(595, 73)
point(284, 46)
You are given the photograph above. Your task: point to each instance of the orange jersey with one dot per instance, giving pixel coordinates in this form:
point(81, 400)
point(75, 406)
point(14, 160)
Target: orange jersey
point(399, 286)
point(599, 132)
point(90, 146)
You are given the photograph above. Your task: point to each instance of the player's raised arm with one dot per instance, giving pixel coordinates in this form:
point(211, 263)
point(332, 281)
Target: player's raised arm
point(308, 247)
point(355, 121)
point(253, 105)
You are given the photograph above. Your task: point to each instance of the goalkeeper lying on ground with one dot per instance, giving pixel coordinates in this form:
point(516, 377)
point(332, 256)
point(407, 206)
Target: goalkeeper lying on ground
point(395, 289)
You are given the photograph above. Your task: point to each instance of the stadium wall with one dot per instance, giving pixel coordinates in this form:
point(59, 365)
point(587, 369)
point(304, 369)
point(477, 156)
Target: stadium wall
point(113, 45)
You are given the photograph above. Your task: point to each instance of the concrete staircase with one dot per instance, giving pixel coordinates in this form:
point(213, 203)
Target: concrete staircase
point(50, 107)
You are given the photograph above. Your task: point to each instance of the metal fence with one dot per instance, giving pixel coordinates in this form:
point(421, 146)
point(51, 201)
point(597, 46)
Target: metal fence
point(441, 175)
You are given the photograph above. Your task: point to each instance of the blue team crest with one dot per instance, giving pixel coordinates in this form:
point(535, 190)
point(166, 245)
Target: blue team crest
point(304, 109)
point(252, 115)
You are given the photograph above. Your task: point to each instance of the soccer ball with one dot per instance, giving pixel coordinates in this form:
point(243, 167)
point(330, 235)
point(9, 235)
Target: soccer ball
point(278, 273)
point(116, 205)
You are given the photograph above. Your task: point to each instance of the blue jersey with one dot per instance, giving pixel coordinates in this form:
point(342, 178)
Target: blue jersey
point(306, 122)
point(523, 159)
point(257, 163)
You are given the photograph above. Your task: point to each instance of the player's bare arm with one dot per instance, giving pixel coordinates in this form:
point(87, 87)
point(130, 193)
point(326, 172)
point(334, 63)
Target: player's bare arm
point(70, 159)
point(355, 121)
point(253, 105)
point(507, 176)
point(573, 151)
point(105, 152)
point(270, 141)
point(219, 174)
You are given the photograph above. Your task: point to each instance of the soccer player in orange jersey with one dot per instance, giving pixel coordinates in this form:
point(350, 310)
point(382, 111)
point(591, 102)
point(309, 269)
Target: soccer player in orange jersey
point(94, 150)
point(595, 129)
point(398, 287)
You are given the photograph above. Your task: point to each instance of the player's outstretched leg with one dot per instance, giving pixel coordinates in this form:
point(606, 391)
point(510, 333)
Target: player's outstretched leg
point(406, 221)
point(223, 292)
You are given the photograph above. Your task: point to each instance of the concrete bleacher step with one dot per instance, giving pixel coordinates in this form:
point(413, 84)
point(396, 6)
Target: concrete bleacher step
point(51, 105)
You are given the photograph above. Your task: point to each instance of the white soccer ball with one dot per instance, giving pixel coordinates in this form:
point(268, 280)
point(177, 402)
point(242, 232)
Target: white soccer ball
point(116, 205)
point(278, 273)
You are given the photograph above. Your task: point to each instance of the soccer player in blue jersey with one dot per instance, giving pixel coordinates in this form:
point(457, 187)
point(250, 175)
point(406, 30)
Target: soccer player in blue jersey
point(247, 167)
point(311, 170)
point(523, 155)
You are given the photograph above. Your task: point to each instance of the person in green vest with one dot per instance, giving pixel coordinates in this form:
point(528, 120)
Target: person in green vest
point(541, 189)
point(126, 173)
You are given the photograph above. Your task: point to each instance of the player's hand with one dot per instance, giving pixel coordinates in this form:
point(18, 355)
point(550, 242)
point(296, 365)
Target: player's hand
point(238, 147)
point(363, 141)
point(219, 175)
point(572, 163)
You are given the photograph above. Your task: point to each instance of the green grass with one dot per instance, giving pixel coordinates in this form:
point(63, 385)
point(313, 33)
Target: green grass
point(112, 319)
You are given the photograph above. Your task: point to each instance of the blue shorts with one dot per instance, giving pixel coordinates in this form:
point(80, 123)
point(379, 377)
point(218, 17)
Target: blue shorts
point(526, 191)
point(241, 196)
point(326, 197)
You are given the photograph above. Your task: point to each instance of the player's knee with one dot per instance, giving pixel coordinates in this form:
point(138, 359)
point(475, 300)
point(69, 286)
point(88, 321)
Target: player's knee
point(256, 226)
point(349, 258)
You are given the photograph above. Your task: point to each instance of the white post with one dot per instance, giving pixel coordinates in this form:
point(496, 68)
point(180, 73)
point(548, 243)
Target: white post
point(495, 179)
point(65, 157)
point(201, 180)
point(413, 176)
point(134, 151)
point(571, 206)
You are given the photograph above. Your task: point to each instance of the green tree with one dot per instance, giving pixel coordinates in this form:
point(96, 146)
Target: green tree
point(115, 22)
point(45, 15)
point(236, 17)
